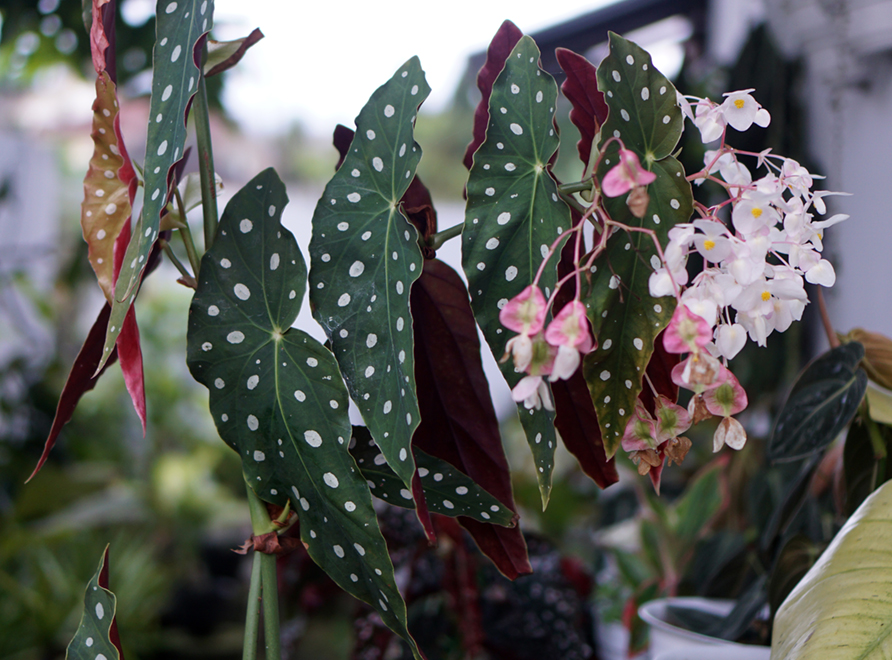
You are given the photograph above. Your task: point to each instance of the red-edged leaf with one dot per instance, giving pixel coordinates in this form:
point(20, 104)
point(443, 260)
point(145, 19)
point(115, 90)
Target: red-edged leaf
point(80, 381)
point(458, 422)
point(581, 88)
point(575, 416)
point(499, 49)
point(97, 636)
point(416, 202)
point(81, 378)
point(109, 190)
point(224, 55)
point(127, 345)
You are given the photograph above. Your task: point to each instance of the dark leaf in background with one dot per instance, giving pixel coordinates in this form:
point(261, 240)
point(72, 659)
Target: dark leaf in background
point(793, 562)
point(581, 88)
point(499, 48)
point(458, 422)
point(823, 401)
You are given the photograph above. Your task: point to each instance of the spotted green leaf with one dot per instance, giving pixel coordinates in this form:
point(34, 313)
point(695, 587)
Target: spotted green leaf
point(179, 26)
point(644, 112)
point(513, 216)
point(447, 491)
point(97, 635)
point(625, 318)
point(277, 397)
point(365, 257)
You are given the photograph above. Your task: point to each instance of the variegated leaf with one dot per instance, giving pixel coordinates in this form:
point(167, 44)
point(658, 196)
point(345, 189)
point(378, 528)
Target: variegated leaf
point(365, 257)
point(97, 635)
point(513, 216)
point(447, 491)
point(277, 397)
point(180, 25)
point(625, 318)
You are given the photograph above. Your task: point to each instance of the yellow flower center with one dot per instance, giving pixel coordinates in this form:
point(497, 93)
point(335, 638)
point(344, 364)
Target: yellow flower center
point(757, 212)
point(766, 296)
point(708, 244)
point(739, 103)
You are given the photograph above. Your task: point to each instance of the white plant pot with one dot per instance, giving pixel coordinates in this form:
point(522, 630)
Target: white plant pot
point(669, 642)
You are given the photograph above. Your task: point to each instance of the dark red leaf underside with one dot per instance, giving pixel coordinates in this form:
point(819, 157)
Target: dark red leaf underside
point(81, 378)
point(458, 422)
point(589, 110)
point(499, 49)
point(80, 381)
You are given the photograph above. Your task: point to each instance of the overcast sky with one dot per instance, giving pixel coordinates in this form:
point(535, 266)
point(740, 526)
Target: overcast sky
point(320, 61)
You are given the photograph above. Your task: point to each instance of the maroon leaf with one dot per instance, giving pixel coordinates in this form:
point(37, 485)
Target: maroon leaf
point(416, 201)
point(81, 378)
point(499, 49)
point(581, 89)
point(80, 381)
point(577, 423)
point(224, 55)
point(458, 422)
point(460, 580)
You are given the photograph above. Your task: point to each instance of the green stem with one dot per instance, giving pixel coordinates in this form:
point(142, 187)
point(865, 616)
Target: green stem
point(252, 618)
point(270, 606)
point(205, 159)
point(267, 578)
point(437, 240)
point(579, 186)
point(571, 201)
point(186, 235)
point(187, 276)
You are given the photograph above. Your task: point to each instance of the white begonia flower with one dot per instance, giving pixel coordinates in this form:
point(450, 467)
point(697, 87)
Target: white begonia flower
point(740, 111)
point(709, 121)
point(684, 104)
point(797, 178)
point(732, 171)
point(730, 339)
point(534, 393)
point(753, 214)
point(748, 262)
point(713, 244)
point(821, 273)
point(565, 363)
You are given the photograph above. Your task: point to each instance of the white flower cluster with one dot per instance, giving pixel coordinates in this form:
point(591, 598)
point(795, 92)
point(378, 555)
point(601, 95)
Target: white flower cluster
point(758, 266)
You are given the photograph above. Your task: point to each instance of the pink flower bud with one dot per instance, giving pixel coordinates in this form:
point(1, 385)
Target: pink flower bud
point(570, 328)
point(687, 332)
point(626, 175)
point(525, 312)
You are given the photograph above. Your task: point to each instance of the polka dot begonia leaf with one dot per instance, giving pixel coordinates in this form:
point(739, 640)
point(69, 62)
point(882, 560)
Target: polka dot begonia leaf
point(277, 397)
point(513, 216)
point(109, 186)
point(624, 317)
point(180, 24)
point(447, 491)
point(93, 639)
point(365, 258)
